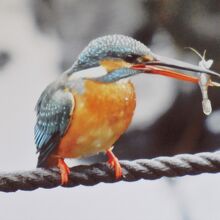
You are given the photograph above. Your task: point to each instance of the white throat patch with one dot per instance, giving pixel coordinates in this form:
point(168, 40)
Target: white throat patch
point(93, 72)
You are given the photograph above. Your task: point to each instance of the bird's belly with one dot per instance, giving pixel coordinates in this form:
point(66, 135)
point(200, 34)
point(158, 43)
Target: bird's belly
point(101, 115)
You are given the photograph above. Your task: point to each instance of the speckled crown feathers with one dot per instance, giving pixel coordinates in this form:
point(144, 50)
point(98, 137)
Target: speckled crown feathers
point(111, 45)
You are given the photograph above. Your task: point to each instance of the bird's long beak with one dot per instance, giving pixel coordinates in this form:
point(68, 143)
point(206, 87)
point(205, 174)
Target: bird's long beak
point(161, 65)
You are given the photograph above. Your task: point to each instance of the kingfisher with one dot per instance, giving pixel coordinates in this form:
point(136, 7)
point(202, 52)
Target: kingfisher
point(91, 104)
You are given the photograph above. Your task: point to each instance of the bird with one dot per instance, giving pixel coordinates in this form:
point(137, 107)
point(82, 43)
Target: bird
point(90, 105)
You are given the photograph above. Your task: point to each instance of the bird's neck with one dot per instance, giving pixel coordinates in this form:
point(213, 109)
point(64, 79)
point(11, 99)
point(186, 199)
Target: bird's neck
point(101, 74)
point(89, 73)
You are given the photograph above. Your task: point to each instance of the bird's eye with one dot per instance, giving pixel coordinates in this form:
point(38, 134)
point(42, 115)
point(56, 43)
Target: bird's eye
point(131, 58)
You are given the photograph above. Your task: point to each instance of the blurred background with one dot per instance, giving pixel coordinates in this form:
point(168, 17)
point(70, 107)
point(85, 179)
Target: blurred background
point(41, 38)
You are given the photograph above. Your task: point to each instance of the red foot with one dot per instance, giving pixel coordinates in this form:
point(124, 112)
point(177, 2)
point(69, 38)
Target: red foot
point(64, 171)
point(114, 163)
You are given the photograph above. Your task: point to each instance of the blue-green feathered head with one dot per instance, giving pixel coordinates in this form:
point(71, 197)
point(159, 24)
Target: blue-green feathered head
point(111, 46)
point(122, 56)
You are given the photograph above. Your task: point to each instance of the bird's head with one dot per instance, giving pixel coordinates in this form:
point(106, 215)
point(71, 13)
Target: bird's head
point(114, 57)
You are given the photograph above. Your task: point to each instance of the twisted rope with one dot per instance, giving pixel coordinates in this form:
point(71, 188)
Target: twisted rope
point(89, 175)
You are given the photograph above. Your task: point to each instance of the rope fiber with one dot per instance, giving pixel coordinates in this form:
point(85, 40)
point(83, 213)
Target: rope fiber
point(89, 175)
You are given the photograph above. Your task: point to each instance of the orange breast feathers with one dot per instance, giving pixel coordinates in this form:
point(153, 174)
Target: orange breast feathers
point(101, 115)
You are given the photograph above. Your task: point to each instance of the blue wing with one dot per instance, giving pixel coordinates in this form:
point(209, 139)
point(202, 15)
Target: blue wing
point(54, 110)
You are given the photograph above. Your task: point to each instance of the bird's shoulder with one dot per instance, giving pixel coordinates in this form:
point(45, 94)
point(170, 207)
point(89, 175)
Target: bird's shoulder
point(54, 110)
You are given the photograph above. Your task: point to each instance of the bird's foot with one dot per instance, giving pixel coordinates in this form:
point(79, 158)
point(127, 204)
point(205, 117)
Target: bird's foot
point(64, 171)
point(114, 163)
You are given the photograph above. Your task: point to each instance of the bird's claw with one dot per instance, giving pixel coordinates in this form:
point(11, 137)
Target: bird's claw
point(64, 171)
point(114, 163)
